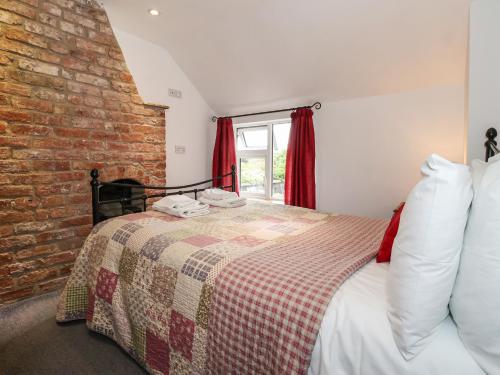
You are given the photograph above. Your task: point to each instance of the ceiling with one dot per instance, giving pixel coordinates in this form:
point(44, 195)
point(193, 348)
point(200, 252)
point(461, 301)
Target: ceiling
point(250, 53)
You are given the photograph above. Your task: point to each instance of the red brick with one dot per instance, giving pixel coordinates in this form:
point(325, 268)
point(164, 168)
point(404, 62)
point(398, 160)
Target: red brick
point(10, 115)
point(39, 67)
point(76, 221)
point(16, 242)
point(43, 165)
point(35, 226)
point(92, 79)
point(15, 191)
point(48, 94)
point(36, 276)
point(52, 143)
point(25, 37)
point(17, 7)
point(81, 88)
point(79, 198)
point(47, 31)
point(36, 104)
point(48, 19)
point(53, 201)
point(14, 295)
point(91, 46)
point(38, 79)
point(70, 176)
point(15, 142)
point(53, 189)
point(65, 3)
point(70, 62)
point(10, 18)
point(52, 9)
point(65, 257)
point(31, 154)
point(36, 251)
point(72, 132)
point(91, 24)
point(12, 166)
point(34, 130)
point(61, 234)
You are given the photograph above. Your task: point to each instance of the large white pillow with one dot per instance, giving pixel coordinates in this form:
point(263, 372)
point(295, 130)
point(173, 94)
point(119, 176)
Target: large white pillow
point(426, 253)
point(475, 303)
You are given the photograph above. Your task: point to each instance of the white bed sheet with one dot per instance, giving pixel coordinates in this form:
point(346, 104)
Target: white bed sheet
point(355, 336)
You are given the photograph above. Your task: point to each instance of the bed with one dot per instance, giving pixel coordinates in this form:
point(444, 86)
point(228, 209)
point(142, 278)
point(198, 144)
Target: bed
point(355, 336)
point(263, 288)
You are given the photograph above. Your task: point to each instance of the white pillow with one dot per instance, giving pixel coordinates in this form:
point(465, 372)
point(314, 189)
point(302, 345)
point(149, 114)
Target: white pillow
point(475, 303)
point(426, 253)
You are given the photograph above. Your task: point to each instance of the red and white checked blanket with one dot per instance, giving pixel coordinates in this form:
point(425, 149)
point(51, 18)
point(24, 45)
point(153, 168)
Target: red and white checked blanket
point(268, 305)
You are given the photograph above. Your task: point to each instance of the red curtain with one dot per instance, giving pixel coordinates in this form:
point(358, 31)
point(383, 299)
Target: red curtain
point(300, 177)
point(224, 153)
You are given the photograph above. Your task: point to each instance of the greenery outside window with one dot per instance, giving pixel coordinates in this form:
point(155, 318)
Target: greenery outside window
point(261, 157)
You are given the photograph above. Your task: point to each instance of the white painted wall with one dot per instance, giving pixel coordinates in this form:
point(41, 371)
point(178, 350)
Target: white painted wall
point(484, 73)
point(369, 150)
point(155, 71)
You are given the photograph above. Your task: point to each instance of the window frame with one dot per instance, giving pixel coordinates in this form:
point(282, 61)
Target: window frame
point(267, 154)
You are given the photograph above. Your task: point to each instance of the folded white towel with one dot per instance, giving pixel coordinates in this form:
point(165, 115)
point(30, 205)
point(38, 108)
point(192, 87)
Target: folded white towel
point(218, 194)
point(176, 201)
point(201, 209)
point(226, 203)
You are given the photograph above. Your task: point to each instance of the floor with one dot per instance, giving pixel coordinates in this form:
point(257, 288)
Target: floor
point(31, 342)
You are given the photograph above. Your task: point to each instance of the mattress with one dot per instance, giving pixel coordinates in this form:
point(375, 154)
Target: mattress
point(356, 338)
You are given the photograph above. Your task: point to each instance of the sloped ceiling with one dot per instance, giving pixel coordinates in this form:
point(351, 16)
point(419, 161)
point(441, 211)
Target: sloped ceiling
point(249, 53)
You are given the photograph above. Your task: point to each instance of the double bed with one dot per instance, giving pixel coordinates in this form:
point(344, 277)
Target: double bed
point(263, 288)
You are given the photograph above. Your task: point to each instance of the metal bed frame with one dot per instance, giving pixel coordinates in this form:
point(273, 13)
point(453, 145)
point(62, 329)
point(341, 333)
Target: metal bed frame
point(184, 189)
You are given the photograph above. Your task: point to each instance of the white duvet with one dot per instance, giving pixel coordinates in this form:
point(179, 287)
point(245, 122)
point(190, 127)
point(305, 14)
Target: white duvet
point(355, 337)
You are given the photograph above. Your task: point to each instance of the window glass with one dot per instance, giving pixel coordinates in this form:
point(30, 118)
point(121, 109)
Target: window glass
point(253, 175)
point(261, 152)
point(252, 138)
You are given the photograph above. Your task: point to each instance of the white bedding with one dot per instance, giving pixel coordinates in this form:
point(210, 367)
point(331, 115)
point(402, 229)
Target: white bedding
point(356, 338)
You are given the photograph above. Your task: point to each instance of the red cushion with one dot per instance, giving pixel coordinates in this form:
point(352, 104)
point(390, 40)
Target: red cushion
point(384, 253)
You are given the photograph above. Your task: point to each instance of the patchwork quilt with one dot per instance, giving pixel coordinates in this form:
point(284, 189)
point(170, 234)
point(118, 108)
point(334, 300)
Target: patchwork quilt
point(242, 290)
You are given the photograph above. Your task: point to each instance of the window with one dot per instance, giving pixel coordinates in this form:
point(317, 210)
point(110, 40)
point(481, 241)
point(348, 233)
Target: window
point(261, 153)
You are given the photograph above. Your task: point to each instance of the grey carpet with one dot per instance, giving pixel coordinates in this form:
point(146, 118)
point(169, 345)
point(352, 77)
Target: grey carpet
point(45, 347)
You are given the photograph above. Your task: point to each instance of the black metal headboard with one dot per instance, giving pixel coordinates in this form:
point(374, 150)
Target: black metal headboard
point(195, 188)
point(491, 144)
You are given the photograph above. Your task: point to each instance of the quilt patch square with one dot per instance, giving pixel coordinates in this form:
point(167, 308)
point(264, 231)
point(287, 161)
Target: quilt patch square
point(163, 285)
point(153, 248)
point(158, 319)
point(201, 240)
point(138, 341)
point(248, 241)
point(204, 306)
point(76, 301)
point(123, 234)
point(242, 219)
point(128, 263)
point(199, 264)
point(106, 284)
point(157, 353)
point(181, 334)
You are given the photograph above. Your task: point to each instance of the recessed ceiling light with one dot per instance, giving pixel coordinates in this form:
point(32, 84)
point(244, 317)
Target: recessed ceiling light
point(154, 12)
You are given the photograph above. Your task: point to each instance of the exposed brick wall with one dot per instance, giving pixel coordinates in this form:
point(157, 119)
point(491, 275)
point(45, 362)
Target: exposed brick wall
point(67, 104)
